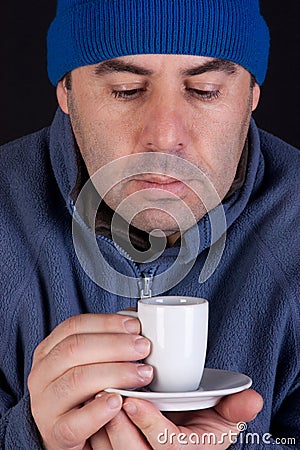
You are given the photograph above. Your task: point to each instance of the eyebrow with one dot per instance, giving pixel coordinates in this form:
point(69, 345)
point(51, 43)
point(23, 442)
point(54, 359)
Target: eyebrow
point(112, 66)
point(215, 65)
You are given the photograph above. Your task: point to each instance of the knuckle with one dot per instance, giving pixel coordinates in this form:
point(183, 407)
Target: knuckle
point(31, 381)
point(72, 325)
point(76, 377)
point(73, 344)
point(61, 388)
point(65, 435)
point(34, 381)
point(70, 382)
point(68, 348)
point(40, 352)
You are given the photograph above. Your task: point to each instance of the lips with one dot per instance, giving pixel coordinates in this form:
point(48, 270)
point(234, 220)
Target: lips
point(160, 183)
point(157, 179)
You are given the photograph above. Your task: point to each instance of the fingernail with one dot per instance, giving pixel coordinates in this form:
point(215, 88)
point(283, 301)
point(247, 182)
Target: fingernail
point(130, 408)
point(132, 326)
point(114, 401)
point(142, 345)
point(145, 371)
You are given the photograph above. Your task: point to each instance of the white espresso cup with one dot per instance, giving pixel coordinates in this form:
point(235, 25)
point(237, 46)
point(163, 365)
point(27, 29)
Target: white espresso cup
point(177, 328)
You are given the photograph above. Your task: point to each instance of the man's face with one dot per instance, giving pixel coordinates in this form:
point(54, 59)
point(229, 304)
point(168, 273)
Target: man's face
point(193, 107)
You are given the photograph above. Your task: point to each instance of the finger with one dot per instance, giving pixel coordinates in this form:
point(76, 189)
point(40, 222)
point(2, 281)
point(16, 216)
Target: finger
point(87, 323)
point(81, 383)
point(121, 431)
point(76, 427)
point(241, 407)
point(100, 441)
point(149, 420)
point(84, 349)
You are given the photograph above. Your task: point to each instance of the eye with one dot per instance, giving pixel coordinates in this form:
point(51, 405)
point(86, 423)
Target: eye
point(128, 94)
point(204, 95)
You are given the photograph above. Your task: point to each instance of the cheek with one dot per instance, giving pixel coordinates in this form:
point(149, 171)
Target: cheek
point(114, 128)
point(103, 137)
point(219, 137)
point(223, 123)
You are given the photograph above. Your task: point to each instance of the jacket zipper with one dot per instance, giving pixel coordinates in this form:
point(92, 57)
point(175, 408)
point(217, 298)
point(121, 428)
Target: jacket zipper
point(145, 279)
point(145, 283)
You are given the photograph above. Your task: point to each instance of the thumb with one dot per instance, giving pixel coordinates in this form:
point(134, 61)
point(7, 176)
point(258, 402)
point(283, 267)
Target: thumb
point(241, 407)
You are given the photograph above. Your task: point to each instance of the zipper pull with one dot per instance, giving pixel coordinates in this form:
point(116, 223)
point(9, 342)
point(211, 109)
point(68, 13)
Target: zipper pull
point(145, 284)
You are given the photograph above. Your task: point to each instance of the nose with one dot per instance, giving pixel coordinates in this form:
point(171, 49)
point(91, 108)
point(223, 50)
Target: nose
point(165, 125)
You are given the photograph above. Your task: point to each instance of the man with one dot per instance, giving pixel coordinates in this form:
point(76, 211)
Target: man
point(156, 97)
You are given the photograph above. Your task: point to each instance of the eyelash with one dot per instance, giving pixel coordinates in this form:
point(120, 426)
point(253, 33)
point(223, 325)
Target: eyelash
point(205, 95)
point(132, 94)
point(128, 95)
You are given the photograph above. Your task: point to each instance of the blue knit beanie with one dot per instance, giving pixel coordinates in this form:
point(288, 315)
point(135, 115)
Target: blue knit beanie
point(90, 31)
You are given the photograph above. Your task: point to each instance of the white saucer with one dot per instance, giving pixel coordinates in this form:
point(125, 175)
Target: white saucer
point(214, 385)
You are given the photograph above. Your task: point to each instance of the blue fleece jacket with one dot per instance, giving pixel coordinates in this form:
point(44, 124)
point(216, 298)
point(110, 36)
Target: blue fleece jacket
point(254, 293)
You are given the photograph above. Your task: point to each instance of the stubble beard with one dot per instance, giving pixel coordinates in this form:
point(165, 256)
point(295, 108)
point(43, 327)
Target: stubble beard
point(156, 217)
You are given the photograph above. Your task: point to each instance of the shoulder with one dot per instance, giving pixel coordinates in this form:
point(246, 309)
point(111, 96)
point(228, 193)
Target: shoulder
point(27, 182)
point(275, 207)
point(279, 154)
point(281, 170)
point(23, 163)
point(29, 208)
point(24, 152)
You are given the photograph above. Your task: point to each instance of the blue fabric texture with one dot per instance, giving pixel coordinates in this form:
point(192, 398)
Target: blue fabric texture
point(254, 294)
point(88, 32)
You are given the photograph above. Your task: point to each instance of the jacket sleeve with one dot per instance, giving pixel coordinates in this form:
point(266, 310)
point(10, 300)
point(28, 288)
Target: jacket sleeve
point(17, 427)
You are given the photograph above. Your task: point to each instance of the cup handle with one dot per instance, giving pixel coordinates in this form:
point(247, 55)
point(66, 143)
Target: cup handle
point(128, 313)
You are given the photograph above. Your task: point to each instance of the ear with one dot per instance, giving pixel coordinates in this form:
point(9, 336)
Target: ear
point(256, 95)
point(62, 95)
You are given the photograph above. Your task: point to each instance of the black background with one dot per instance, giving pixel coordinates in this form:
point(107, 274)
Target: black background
point(28, 100)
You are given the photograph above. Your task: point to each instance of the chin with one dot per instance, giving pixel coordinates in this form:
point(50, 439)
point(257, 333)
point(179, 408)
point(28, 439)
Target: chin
point(154, 219)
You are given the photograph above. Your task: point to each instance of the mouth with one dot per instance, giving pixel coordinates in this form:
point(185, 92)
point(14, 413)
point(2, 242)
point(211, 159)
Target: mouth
point(156, 179)
point(160, 185)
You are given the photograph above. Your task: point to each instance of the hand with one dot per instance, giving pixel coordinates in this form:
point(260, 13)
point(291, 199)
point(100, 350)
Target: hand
point(79, 359)
point(147, 428)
